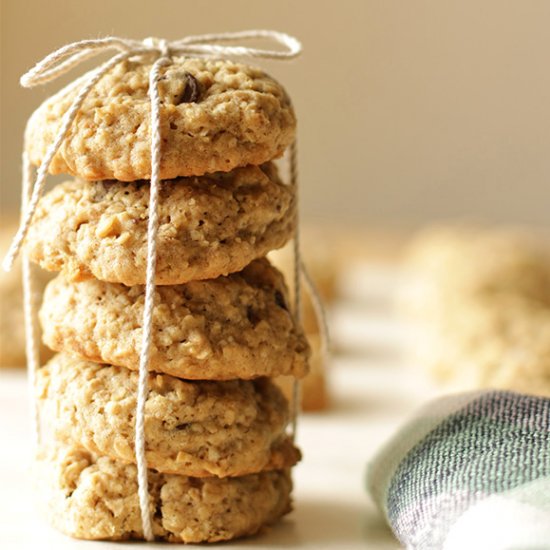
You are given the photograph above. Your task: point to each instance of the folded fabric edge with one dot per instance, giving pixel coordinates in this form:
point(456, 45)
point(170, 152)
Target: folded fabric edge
point(381, 468)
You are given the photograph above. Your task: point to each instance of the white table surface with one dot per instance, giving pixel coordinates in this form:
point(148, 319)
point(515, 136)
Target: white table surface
point(373, 391)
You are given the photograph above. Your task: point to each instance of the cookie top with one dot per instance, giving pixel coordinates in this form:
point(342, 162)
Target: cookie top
point(199, 429)
point(209, 226)
point(91, 497)
point(215, 116)
point(238, 326)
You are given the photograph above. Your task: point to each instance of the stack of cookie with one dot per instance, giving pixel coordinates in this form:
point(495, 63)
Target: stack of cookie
point(215, 424)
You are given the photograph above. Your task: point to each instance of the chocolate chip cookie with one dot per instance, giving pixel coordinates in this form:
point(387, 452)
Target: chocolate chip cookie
point(215, 116)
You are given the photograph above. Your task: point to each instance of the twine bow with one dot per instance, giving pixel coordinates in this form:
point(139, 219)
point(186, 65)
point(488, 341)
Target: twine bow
point(65, 58)
point(161, 52)
point(205, 45)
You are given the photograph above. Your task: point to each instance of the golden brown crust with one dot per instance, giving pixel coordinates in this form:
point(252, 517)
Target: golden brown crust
point(209, 226)
point(237, 326)
point(96, 498)
point(241, 116)
point(199, 429)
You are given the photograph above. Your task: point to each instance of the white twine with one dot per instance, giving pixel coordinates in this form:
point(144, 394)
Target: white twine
point(152, 230)
point(300, 271)
point(296, 400)
point(30, 306)
point(319, 309)
point(57, 64)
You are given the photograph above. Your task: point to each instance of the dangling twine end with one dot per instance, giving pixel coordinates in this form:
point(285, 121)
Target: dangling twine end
point(25, 81)
point(7, 262)
point(13, 251)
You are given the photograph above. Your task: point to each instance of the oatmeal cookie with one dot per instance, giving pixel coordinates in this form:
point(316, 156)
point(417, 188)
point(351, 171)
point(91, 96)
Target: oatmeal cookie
point(492, 342)
point(208, 226)
point(238, 326)
point(91, 497)
point(215, 116)
point(448, 263)
point(200, 429)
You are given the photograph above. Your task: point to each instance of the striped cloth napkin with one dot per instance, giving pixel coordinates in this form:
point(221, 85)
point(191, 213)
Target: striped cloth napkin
point(470, 471)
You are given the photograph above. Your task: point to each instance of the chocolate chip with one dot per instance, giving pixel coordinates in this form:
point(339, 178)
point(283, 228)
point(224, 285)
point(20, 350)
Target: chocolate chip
point(252, 316)
point(182, 426)
point(192, 90)
point(195, 482)
point(280, 300)
point(176, 87)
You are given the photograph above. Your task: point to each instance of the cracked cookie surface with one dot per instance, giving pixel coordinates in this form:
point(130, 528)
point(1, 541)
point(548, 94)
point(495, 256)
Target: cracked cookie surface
point(199, 429)
point(238, 326)
point(215, 116)
point(208, 226)
point(91, 497)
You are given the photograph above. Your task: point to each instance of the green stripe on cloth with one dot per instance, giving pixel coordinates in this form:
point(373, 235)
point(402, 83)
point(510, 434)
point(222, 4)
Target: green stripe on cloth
point(381, 470)
point(440, 466)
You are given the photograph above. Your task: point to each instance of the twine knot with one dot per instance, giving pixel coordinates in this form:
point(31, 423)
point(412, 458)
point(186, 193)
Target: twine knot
point(159, 45)
point(206, 45)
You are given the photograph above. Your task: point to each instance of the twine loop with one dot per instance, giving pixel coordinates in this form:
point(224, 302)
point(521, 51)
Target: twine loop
point(65, 58)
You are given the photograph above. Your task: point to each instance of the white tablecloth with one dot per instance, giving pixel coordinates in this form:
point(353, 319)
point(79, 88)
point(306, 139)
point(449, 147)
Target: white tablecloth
point(373, 390)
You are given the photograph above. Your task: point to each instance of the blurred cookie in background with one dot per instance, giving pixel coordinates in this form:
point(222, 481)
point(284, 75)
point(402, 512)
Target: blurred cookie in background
point(478, 304)
point(489, 343)
point(12, 325)
point(319, 258)
point(444, 264)
point(318, 255)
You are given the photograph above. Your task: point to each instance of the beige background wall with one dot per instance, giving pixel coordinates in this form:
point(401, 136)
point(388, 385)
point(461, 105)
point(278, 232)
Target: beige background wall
point(409, 109)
